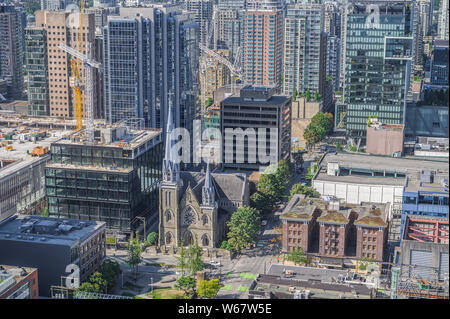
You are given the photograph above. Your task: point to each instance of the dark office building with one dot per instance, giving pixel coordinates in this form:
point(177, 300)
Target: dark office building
point(249, 119)
point(377, 65)
point(114, 180)
point(51, 245)
point(439, 63)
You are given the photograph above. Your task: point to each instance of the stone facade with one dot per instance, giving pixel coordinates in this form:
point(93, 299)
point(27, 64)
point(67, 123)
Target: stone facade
point(195, 204)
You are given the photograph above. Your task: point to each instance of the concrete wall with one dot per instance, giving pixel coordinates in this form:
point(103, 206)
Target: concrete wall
point(353, 193)
point(50, 260)
point(384, 141)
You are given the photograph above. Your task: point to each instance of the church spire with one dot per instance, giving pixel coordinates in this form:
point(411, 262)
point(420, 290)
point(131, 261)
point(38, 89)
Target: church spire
point(170, 165)
point(208, 190)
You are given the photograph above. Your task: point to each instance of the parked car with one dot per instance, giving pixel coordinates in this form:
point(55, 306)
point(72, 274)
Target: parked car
point(214, 263)
point(264, 222)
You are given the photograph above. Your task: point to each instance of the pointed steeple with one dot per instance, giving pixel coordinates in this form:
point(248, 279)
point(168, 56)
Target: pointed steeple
point(208, 190)
point(170, 166)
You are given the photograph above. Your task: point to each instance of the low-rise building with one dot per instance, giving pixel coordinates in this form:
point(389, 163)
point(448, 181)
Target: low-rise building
point(18, 282)
point(334, 229)
point(22, 172)
point(115, 179)
point(357, 178)
point(52, 245)
point(385, 139)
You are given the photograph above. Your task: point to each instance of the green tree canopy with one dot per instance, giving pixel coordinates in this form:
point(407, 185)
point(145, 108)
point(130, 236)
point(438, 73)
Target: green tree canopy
point(110, 270)
point(244, 225)
point(186, 283)
point(305, 190)
point(297, 256)
point(152, 237)
point(194, 257)
point(208, 288)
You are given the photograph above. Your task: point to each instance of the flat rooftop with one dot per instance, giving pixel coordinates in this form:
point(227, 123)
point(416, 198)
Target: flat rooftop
point(438, 183)
point(18, 158)
point(126, 139)
point(47, 230)
point(372, 163)
point(11, 275)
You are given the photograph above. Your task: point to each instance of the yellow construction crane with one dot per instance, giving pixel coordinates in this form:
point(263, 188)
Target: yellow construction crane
point(84, 58)
point(75, 79)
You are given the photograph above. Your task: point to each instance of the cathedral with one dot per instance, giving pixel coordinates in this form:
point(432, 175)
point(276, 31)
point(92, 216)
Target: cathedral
point(196, 204)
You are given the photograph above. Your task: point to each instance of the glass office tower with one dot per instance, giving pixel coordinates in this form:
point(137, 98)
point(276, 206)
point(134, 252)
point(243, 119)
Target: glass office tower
point(112, 181)
point(377, 64)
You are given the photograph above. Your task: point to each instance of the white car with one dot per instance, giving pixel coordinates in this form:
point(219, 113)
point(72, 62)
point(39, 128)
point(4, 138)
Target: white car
point(214, 263)
point(264, 222)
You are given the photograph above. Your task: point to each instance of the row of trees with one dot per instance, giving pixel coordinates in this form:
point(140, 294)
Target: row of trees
point(305, 190)
point(307, 95)
point(320, 126)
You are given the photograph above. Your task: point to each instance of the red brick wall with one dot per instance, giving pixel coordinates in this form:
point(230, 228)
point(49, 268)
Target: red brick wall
point(295, 239)
point(377, 246)
point(325, 244)
point(32, 278)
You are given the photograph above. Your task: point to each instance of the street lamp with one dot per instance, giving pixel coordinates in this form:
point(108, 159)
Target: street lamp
point(142, 219)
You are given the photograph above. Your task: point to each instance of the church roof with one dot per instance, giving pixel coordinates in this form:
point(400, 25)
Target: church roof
point(229, 186)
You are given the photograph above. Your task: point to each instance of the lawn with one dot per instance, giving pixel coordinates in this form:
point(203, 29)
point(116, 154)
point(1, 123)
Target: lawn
point(242, 288)
point(168, 293)
point(248, 276)
point(227, 287)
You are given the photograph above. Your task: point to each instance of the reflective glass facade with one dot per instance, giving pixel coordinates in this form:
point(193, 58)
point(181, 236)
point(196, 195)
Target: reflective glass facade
point(103, 183)
point(377, 66)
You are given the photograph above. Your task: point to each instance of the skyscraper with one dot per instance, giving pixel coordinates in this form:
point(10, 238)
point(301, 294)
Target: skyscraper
point(228, 30)
point(303, 63)
point(149, 53)
point(377, 64)
point(443, 20)
point(37, 71)
point(62, 28)
point(263, 44)
point(11, 50)
point(202, 11)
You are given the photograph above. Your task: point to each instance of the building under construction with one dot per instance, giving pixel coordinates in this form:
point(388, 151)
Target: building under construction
point(423, 261)
point(113, 179)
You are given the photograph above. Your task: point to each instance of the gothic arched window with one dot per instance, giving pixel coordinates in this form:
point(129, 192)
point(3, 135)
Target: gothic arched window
point(169, 238)
point(205, 240)
point(205, 220)
point(168, 216)
point(188, 238)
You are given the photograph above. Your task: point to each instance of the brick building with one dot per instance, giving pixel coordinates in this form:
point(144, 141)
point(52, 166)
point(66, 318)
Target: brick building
point(333, 229)
point(18, 282)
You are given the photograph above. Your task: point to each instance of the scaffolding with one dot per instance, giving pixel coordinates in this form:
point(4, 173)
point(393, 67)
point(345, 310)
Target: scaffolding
point(407, 284)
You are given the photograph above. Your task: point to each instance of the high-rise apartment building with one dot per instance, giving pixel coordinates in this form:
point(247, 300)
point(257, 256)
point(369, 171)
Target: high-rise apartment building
point(231, 4)
point(37, 71)
point(215, 75)
point(62, 28)
point(202, 11)
point(55, 4)
point(303, 43)
point(443, 20)
point(11, 50)
point(263, 44)
point(148, 54)
point(377, 65)
point(228, 30)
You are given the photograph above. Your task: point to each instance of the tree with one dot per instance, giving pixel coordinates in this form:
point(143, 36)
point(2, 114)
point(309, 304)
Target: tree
point(31, 6)
point(44, 212)
point(194, 259)
point(308, 95)
point(110, 270)
point(209, 102)
point(95, 283)
point(339, 146)
point(134, 254)
point(186, 283)
point(208, 288)
point(297, 256)
point(262, 202)
point(182, 260)
point(311, 137)
point(152, 237)
point(295, 95)
point(226, 245)
point(305, 190)
point(244, 225)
